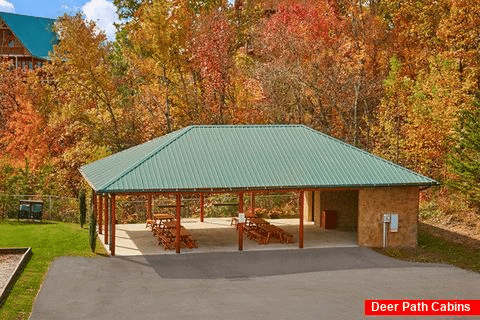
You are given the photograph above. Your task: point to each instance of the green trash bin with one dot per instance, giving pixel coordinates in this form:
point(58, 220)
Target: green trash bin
point(30, 209)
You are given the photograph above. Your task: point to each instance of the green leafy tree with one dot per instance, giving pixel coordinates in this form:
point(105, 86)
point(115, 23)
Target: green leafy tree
point(465, 157)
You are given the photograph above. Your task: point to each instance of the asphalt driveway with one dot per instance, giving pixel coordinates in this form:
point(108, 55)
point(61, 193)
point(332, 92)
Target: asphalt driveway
point(328, 283)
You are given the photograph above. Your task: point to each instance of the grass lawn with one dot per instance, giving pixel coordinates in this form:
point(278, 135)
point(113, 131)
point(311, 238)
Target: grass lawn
point(48, 241)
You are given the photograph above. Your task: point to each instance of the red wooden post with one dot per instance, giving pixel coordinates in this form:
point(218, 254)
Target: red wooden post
point(149, 207)
point(240, 225)
point(300, 214)
point(177, 222)
point(240, 202)
point(202, 205)
point(252, 205)
point(105, 212)
point(100, 214)
point(94, 204)
point(112, 243)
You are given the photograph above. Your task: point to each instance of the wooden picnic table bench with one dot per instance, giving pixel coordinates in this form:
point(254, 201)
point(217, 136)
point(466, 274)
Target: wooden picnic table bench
point(278, 233)
point(159, 219)
point(185, 236)
point(262, 231)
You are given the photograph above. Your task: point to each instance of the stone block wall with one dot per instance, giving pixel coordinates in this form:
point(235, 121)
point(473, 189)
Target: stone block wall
point(374, 202)
point(345, 204)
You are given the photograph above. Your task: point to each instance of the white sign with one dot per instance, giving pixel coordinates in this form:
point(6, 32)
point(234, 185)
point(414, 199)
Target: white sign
point(241, 218)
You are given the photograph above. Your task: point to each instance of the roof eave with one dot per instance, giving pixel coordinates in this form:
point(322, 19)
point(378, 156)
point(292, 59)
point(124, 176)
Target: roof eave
point(259, 188)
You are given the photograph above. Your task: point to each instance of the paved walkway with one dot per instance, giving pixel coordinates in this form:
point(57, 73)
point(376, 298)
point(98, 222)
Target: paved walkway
point(217, 235)
point(325, 283)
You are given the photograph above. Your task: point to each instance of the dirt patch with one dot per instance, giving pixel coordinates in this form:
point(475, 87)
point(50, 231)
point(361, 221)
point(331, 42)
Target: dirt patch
point(8, 265)
point(12, 263)
point(467, 235)
point(437, 243)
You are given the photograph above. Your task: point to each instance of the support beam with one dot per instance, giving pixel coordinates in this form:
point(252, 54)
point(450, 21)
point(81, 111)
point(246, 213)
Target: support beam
point(100, 214)
point(105, 214)
point(110, 227)
point(252, 205)
point(300, 215)
point(240, 225)
point(114, 222)
point(149, 207)
point(202, 207)
point(94, 205)
point(177, 222)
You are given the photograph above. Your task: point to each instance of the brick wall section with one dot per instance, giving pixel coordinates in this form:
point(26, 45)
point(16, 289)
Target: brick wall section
point(374, 202)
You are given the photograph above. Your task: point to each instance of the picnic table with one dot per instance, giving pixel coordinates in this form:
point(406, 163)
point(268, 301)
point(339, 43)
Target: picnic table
point(167, 235)
point(257, 221)
point(159, 219)
point(261, 231)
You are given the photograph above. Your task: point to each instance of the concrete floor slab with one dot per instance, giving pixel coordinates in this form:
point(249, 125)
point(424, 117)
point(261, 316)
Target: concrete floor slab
point(218, 235)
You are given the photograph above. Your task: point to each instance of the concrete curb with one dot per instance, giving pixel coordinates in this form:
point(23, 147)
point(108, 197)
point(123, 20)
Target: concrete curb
point(27, 254)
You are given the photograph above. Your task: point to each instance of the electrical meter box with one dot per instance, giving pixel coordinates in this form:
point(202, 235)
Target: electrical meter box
point(386, 217)
point(393, 222)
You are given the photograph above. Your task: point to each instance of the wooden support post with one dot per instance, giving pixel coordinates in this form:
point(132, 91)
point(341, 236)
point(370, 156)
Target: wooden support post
point(149, 207)
point(240, 225)
point(110, 223)
point(113, 219)
point(105, 214)
point(252, 204)
point(100, 214)
point(300, 215)
point(94, 205)
point(240, 202)
point(177, 222)
point(202, 207)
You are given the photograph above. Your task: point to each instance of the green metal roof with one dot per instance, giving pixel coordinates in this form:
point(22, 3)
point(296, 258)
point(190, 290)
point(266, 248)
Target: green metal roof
point(250, 157)
point(34, 33)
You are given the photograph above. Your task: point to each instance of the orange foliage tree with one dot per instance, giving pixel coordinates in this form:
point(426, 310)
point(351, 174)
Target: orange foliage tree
point(321, 68)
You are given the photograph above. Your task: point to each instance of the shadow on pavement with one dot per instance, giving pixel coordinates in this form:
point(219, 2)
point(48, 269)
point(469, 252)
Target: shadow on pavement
point(251, 264)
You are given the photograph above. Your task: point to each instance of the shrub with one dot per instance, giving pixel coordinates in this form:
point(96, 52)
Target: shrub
point(93, 231)
point(83, 208)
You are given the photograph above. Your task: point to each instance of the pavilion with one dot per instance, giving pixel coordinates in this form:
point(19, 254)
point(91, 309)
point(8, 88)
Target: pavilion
point(326, 173)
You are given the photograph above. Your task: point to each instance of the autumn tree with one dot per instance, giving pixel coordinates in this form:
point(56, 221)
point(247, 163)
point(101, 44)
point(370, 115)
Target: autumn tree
point(25, 136)
point(321, 68)
point(154, 45)
point(88, 116)
point(211, 46)
point(413, 26)
point(26, 159)
point(433, 79)
point(460, 36)
point(290, 47)
point(465, 157)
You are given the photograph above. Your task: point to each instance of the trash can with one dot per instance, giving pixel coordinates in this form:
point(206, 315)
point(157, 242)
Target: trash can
point(30, 209)
point(329, 219)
